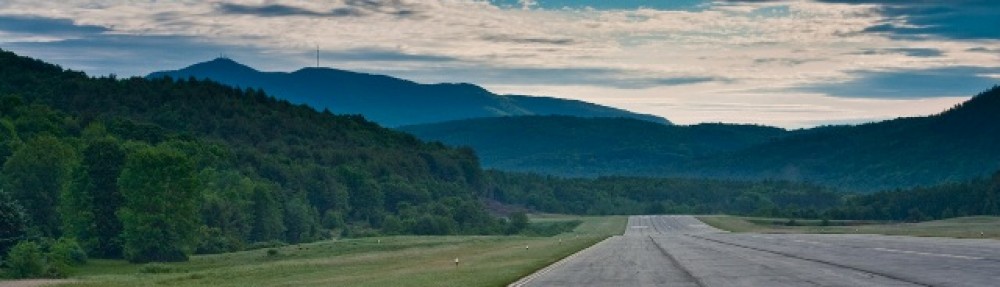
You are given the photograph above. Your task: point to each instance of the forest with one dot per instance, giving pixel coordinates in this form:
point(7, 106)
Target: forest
point(155, 170)
point(591, 147)
point(766, 198)
point(952, 146)
point(152, 170)
point(638, 195)
point(974, 197)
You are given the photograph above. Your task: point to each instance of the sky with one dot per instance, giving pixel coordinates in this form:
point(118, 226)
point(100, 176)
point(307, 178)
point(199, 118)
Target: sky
point(792, 64)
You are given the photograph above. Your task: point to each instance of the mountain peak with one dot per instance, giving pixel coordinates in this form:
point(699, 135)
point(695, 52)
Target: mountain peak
point(387, 100)
point(222, 63)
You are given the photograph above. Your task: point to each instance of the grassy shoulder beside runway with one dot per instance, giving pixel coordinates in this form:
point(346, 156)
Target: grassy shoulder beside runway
point(962, 227)
point(376, 261)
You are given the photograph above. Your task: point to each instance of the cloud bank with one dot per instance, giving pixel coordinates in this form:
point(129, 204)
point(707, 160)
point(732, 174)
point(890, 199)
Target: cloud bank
point(672, 58)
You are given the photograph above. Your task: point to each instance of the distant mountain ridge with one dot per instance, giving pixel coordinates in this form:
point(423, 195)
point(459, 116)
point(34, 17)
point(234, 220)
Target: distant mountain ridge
point(391, 101)
point(572, 146)
point(960, 144)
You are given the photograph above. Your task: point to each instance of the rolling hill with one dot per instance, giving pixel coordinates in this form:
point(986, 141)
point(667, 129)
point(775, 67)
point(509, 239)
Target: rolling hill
point(266, 169)
point(959, 144)
point(390, 101)
point(572, 146)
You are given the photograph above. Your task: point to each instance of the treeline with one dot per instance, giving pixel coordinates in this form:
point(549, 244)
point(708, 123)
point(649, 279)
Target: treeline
point(636, 195)
point(591, 147)
point(153, 170)
point(976, 197)
point(954, 146)
point(951, 146)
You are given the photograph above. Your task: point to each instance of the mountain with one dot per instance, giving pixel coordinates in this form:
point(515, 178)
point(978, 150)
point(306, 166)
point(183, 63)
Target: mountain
point(573, 146)
point(959, 144)
point(266, 169)
point(390, 101)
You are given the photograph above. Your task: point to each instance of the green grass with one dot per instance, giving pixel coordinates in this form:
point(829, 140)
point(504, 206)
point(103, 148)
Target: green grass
point(376, 261)
point(963, 227)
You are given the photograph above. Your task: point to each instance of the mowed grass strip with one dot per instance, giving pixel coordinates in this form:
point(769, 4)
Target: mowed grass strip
point(962, 227)
point(377, 261)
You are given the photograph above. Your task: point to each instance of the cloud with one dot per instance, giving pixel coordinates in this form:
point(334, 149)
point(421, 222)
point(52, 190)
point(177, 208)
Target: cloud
point(715, 50)
point(911, 84)
point(351, 8)
point(672, 5)
point(957, 19)
point(380, 55)
point(277, 10)
point(784, 61)
point(128, 55)
point(529, 40)
point(983, 50)
point(27, 27)
point(912, 52)
point(597, 77)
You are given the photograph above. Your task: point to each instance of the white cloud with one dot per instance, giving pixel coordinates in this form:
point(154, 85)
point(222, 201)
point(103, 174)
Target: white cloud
point(527, 4)
point(750, 47)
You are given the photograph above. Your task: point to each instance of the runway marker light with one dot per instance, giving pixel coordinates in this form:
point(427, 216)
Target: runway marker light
point(456, 261)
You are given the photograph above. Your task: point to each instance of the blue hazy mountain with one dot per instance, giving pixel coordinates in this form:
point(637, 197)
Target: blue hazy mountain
point(959, 144)
point(391, 101)
point(573, 146)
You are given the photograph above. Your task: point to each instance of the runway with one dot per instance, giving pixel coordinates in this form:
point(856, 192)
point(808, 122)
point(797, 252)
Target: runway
point(683, 251)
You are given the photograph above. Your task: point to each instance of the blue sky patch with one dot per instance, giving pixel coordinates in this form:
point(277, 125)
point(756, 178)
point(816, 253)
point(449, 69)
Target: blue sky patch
point(912, 84)
point(672, 5)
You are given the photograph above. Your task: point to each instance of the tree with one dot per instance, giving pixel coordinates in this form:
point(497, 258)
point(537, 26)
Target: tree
point(518, 222)
point(226, 205)
point(12, 222)
point(366, 196)
point(89, 205)
point(35, 175)
point(301, 221)
point(104, 159)
point(26, 260)
point(160, 212)
point(268, 216)
point(9, 139)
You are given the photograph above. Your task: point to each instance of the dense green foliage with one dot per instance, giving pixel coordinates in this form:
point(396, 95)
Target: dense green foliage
point(952, 146)
point(25, 260)
point(36, 174)
point(957, 145)
point(976, 197)
point(93, 198)
point(12, 222)
point(155, 169)
point(160, 213)
point(571, 146)
point(390, 101)
point(47, 258)
point(632, 195)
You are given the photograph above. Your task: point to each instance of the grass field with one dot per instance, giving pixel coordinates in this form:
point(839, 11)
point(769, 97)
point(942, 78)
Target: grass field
point(377, 261)
point(963, 227)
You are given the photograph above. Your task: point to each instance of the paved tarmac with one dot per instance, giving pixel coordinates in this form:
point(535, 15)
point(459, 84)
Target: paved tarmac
point(683, 251)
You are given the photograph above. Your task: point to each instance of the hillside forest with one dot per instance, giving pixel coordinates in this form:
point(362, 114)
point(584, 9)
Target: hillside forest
point(153, 170)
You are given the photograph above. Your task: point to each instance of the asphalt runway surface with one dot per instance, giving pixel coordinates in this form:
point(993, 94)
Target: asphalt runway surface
point(683, 251)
